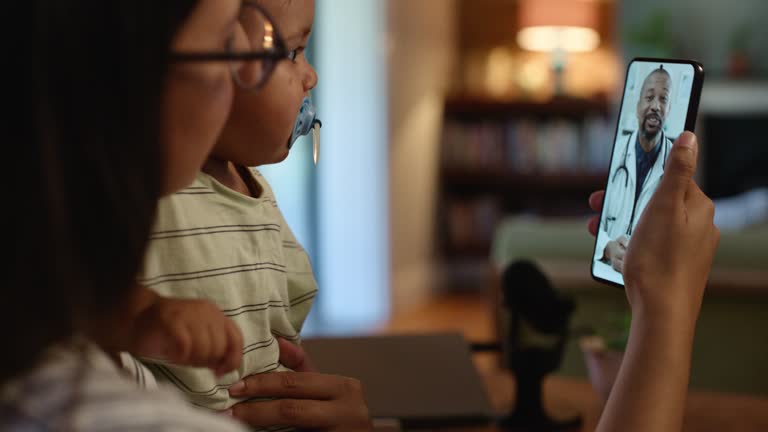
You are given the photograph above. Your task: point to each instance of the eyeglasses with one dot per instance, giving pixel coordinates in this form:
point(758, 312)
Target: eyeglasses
point(252, 52)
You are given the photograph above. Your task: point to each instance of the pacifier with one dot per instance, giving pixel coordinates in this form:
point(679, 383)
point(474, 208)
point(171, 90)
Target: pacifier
point(307, 122)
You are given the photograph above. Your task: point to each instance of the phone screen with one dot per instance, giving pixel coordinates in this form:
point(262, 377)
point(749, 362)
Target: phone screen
point(659, 103)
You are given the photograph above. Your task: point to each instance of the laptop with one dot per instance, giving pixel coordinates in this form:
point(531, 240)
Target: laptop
point(426, 380)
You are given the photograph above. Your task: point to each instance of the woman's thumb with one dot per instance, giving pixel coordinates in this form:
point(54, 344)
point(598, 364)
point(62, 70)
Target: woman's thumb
point(293, 356)
point(681, 165)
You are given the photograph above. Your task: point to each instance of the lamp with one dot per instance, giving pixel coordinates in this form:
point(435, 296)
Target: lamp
point(558, 27)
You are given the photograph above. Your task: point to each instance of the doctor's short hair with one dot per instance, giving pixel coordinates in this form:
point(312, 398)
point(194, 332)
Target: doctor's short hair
point(658, 70)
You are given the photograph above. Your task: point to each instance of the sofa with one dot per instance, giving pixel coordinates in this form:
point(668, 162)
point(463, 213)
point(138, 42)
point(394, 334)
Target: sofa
point(731, 346)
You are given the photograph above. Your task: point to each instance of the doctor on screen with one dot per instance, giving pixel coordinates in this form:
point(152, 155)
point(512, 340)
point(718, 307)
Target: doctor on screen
point(636, 170)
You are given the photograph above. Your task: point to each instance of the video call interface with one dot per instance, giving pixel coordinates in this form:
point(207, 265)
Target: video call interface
point(653, 114)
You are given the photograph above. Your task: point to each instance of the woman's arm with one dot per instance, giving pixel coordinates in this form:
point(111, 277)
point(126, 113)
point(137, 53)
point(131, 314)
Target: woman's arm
point(666, 270)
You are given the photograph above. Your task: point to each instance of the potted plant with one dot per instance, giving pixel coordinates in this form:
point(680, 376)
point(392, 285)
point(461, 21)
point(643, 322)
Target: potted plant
point(738, 56)
point(603, 351)
point(650, 37)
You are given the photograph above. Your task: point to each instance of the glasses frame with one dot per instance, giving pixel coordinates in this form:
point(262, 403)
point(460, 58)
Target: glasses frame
point(278, 53)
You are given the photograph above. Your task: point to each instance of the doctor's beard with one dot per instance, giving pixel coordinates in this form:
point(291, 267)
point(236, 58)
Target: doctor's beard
point(653, 134)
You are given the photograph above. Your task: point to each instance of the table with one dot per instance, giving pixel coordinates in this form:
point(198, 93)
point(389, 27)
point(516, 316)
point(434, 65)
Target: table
point(566, 397)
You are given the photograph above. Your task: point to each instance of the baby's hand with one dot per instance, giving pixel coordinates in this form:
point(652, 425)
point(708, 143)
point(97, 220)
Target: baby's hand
point(188, 332)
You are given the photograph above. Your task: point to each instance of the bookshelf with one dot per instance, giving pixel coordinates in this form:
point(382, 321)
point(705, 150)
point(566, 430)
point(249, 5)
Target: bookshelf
point(500, 158)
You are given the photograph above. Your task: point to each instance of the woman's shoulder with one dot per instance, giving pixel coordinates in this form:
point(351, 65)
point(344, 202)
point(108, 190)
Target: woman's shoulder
point(81, 389)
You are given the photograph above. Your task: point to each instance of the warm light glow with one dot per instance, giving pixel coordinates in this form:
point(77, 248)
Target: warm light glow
point(499, 72)
point(564, 25)
point(534, 75)
point(269, 38)
point(551, 38)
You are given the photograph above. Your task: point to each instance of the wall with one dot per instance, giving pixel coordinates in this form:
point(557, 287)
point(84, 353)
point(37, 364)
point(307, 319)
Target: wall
point(352, 261)
point(421, 50)
point(493, 65)
point(702, 29)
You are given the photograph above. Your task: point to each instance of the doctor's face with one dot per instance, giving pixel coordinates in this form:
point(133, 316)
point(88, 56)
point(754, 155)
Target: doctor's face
point(653, 105)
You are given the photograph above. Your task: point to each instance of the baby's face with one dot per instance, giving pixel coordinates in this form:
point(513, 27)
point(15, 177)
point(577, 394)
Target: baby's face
point(260, 123)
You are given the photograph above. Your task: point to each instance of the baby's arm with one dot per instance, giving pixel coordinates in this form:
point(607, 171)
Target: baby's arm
point(179, 331)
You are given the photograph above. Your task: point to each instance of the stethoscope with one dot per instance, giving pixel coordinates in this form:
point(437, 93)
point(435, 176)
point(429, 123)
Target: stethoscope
point(623, 166)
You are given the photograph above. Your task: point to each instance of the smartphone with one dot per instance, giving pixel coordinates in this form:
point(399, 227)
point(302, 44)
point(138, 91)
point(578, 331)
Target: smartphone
point(660, 101)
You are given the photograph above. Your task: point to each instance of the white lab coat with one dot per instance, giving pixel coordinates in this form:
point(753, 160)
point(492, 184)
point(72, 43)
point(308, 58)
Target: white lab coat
point(619, 199)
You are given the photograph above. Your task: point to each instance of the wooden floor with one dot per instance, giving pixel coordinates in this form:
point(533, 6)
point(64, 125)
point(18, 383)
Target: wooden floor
point(469, 314)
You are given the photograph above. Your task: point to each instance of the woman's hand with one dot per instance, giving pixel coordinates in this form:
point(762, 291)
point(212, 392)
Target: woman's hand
point(670, 256)
point(293, 357)
point(308, 400)
point(667, 265)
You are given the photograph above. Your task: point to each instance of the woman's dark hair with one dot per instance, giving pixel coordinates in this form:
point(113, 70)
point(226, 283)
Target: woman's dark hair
point(84, 141)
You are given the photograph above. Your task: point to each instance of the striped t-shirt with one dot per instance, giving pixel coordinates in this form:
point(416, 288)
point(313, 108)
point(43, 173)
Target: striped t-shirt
point(76, 387)
point(211, 242)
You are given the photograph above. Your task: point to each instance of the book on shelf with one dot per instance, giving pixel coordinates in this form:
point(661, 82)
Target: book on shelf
point(535, 159)
point(471, 222)
point(528, 145)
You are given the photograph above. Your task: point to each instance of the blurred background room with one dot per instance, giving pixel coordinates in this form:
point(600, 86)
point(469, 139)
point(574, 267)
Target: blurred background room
point(460, 136)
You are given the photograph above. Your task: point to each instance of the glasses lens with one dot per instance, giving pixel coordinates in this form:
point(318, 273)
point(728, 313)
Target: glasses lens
point(255, 34)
